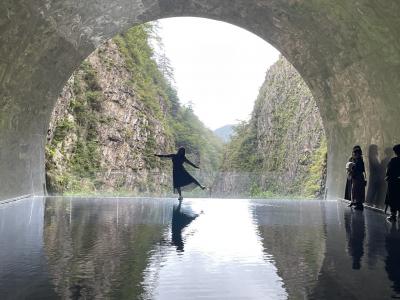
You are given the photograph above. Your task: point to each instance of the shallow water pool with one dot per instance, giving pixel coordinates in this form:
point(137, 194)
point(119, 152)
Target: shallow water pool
point(148, 248)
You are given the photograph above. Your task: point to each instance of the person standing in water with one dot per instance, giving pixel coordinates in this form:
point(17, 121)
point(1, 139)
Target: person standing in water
point(181, 177)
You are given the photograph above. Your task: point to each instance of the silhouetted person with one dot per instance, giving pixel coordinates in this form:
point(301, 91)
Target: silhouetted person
point(347, 191)
point(388, 156)
point(392, 261)
point(355, 231)
point(349, 164)
point(393, 180)
point(356, 178)
point(179, 221)
point(181, 177)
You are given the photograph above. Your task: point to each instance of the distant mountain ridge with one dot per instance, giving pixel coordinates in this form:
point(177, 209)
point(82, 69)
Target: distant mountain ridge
point(225, 132)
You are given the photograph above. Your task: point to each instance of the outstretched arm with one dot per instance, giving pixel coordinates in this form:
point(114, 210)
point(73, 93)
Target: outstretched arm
point(190, 163)
point(164, 155)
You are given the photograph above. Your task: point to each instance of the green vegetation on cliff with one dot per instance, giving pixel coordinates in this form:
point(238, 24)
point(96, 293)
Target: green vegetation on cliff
point(120, 107)
point(179, 121)
point(84, 159)
point(117, 110)
point(281, 150)
point(147, 80)
point(240, 153)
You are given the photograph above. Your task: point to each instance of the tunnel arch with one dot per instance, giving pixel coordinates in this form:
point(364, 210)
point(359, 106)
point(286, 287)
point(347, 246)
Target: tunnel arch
point(347, 53)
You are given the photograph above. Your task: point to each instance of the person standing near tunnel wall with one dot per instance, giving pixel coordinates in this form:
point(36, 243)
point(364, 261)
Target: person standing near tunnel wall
point(393, 180)
point(358, 181)
point(349, 167)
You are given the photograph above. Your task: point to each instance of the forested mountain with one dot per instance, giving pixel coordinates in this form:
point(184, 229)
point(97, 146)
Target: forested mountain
point(115, 112)
point(225, 132)
point(119, 108)
point(282, 149)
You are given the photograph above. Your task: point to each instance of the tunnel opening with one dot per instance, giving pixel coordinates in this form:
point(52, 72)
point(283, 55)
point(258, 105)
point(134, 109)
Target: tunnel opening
point(120, 107)
point(347, 54)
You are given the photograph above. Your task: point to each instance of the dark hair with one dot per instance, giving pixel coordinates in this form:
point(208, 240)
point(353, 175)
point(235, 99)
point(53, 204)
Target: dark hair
point(181, 151)
point(396, 149)
point(357, 151)
point(357, 148)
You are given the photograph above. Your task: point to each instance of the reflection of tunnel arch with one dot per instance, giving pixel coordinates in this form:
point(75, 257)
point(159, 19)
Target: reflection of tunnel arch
point(347, 52)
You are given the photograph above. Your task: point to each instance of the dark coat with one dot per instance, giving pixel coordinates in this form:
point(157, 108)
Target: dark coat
point(358, 181)
point(393, 180)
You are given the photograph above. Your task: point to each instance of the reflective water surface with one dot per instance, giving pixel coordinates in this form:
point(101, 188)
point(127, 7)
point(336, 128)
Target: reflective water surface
point(144, 248)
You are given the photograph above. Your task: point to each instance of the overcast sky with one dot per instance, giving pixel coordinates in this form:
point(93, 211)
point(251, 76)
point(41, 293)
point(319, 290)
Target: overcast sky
point(219, 67)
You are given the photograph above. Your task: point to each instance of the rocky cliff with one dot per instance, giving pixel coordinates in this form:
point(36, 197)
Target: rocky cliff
point(119, 108)
point(115, 112)
point(282, 149)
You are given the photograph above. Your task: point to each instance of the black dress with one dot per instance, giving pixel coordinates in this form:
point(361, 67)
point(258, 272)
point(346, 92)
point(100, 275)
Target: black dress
point(358, 181)
point(393, 180)
point(181, 177)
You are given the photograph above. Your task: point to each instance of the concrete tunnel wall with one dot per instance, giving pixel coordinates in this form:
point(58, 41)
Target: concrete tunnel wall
point(348, 52)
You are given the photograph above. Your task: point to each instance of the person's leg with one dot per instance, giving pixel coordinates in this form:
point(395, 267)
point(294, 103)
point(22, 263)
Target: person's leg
point(180, 193)
point(198, 183)
point(348, 192)
point(359, 194)
point(353, 194)
point(359, 205)
point(360, 201)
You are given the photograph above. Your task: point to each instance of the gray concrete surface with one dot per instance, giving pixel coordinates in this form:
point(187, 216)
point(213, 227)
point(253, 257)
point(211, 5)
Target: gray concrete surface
point(348, 52)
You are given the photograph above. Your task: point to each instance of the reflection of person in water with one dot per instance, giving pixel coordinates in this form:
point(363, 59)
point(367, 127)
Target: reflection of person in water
point(181, 177)
point(393, 180)
point(179, 221)
point(392, 261)
point(355, 231)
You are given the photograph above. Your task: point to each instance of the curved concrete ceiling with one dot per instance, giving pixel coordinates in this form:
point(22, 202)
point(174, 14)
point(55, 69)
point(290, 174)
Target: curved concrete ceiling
point(348, 52)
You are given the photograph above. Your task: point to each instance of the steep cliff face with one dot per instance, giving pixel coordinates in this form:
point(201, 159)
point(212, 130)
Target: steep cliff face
point(282, 149)
point(118, 109)
point(115, 112)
